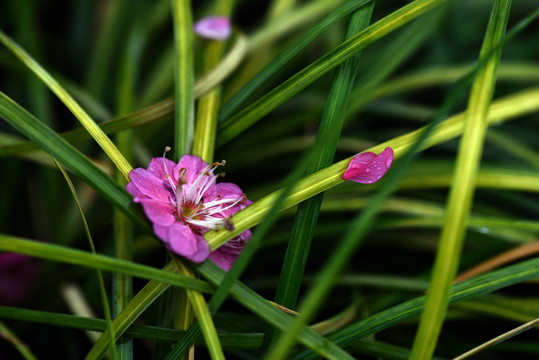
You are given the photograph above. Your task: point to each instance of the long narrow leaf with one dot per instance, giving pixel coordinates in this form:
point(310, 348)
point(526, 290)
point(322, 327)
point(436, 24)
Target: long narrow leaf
point(328, 135)
point(70, 157)
point(184, 77)
point(483, 284)
point(95, 261)
point(238, 123)
point(100, 137)
point(463, 186)
point(264, 75)
point(501, 110)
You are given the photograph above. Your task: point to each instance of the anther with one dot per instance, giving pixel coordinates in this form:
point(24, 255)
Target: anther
point(229, 225)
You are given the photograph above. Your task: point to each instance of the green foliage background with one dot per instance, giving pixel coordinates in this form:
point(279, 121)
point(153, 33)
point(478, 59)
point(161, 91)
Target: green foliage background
point(299, 88)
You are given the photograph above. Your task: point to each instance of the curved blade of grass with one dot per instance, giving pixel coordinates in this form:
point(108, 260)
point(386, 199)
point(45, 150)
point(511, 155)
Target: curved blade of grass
point(238, 341)
point(70, 157)
point(326, 141)
point(393, 55)
point(183, 77)
point(122, 285)
point(208, 105)
point(151, 113)
point(22, 348)
point(265, 74)
point(238, 123)
point(264, 309)
point(509, 72)
point(498, 339)
point(130, 313)
point(101, 283)
point(487, 305)
point(468, 289)
point(203, 315)
point(100, 137)
point(463, 186)
point(488, 177)
point(223, 68)
point(229, 340)
point(501, 110)
point(481, 285)
point(96, 261)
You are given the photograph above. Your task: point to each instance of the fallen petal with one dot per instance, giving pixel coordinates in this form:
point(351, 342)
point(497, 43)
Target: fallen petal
point(368, 168)
point(213, 27)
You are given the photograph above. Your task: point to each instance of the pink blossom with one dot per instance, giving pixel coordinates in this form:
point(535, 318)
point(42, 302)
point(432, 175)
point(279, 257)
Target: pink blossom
point(213, 27)
point(368, 168)
point(17, 271)
point(183, 201)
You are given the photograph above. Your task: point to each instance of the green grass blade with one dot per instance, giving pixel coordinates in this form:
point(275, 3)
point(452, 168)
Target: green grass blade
point(389, 59)
point(122, 285)
point(203, 315)
point(208, 105)
point(238, 123)
point(22, 348)
point(326, 141)
point(383, 350)
point(130, 313)
point(100, 281)
point(96, 261)
point(264, 75)
point(183, 77)
point(501, 110)
point(229, 340)
point(480, 285)
point(100, 137)
point(463, 186)
point(498, 339)
point(507, 72)
point(264, 309)
point(70, 157)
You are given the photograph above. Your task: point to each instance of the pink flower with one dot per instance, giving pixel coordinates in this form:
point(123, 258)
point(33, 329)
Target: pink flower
point(17, 273)
point(183, 201)
point(213, 27)
point(368, 168)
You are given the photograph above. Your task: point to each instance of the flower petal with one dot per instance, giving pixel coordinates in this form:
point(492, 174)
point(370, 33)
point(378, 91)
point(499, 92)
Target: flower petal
point(226, 190)
point(368, 168)
point(149, 185)
point(157, 167)
point(183, 241)
point(213, 27)
point(158, 212)
point(226, 255)
point(193, 166)
point(133, 190)
point(223, 259)
point(161, 232)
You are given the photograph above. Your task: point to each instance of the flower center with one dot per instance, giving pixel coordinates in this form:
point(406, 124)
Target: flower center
point(188, 199)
